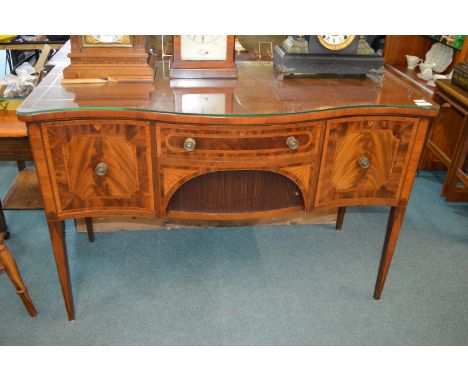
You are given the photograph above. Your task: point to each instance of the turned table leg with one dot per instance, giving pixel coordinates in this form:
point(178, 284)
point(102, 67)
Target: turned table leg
point(3, 225)
point(340, 217)
point(90, 229)
point(57, 237)
point(395, 220)
point(9, 264)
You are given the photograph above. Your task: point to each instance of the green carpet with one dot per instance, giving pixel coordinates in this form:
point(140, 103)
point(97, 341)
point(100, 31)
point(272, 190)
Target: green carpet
point(279, 285)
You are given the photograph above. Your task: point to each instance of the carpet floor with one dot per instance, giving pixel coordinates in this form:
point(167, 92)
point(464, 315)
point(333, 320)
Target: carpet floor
point(277, 285)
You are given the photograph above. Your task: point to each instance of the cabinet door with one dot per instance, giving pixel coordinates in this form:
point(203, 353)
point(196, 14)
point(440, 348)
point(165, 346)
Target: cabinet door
point(364, 160)
point(98, 164)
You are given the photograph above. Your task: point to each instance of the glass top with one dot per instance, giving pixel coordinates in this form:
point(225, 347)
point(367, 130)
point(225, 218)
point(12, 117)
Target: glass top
point(255, 92)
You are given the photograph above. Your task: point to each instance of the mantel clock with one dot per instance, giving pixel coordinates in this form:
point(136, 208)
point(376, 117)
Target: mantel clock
point(203, 56)
point(330, 54)
point(122, 57)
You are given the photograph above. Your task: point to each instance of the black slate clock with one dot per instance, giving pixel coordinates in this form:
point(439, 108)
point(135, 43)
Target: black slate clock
point(328, 55)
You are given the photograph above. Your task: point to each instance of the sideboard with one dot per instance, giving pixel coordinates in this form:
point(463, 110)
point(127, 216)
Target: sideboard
point(224, 150)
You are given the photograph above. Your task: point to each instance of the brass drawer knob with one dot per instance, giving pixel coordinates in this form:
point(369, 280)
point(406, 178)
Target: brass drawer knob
point(101, 169)
point(292, 143)
point(189, 144)
point(364, 162)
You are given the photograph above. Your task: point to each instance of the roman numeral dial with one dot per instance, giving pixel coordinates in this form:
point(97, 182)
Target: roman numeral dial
point(335, 41)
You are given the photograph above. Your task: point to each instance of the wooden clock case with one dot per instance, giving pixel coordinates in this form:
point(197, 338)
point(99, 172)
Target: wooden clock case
point(122, 63)
point(203, 69)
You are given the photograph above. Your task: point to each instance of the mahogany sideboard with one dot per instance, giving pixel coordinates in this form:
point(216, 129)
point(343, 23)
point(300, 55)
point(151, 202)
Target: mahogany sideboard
point(224, 150)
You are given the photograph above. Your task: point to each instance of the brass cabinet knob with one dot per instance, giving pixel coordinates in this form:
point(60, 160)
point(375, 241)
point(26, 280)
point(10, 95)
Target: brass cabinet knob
point(292, 143)
point(364, 162)
point(189, 144)
point(101, 169)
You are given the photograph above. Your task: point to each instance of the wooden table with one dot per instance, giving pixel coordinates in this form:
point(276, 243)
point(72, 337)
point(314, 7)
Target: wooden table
point(448, 139)
point(27, 45)
point(14, 146)
point(30, 45)
point(220, 150)
point(14, 142)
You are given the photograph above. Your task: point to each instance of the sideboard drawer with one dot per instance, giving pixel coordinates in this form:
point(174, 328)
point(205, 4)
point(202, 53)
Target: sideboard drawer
point(239, 143)
point(365, 159)
point(99, 164)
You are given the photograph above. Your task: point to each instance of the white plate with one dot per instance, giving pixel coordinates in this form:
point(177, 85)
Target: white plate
point(440, 55)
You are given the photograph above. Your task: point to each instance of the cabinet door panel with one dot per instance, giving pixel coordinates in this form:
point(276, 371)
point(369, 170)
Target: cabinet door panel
point(115, 153)
point(364, 159)
point(100, 164)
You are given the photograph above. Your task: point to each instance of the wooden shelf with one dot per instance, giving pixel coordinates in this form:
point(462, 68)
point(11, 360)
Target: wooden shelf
point(24, 193)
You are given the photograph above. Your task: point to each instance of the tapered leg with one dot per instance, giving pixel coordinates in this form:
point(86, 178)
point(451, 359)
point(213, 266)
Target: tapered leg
point(3, 225)
point(90, 229)
point(449, 188)
point(21, 165)
point(9, 264)
point(340, 217)
point(57, 237)
point(393, 230)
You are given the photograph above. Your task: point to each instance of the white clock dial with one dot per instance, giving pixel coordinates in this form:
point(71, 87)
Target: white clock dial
point(203, 47)
point(336, 41)
point(108, 39)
